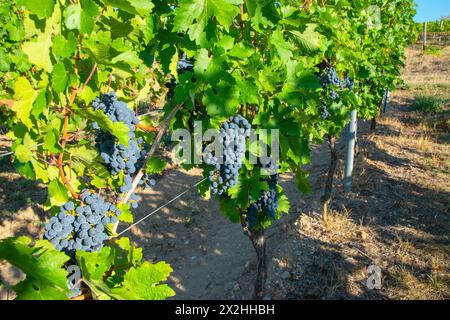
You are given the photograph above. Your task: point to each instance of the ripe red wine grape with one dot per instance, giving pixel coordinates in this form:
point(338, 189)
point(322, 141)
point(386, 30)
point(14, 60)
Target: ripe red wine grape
point(81, 226)
point(232, 139)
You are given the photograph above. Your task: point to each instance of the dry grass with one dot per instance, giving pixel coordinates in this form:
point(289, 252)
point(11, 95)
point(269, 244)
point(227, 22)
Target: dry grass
point(408, 286)
point(427, 69)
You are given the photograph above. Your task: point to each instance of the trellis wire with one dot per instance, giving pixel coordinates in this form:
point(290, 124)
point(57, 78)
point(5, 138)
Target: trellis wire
point(159, 208)
point(11, 152)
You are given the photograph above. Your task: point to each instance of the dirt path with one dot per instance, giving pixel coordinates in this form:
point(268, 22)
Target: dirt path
point(204, 249)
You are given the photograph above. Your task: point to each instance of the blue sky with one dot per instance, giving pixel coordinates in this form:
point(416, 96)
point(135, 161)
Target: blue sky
point(431, 10)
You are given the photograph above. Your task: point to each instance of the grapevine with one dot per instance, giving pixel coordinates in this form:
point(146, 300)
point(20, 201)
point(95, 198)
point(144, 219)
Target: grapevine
point(74, 74)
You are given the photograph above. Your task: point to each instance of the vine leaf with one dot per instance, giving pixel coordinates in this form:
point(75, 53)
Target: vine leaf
point(23, 153)
point(283, 202)
point(133, 255)
point(51, 140)
point(93, 265)
point(63, 47)
point(59, 77)
point(24, 96)
point(38, 51)
point(142, 283)
point(118, 129)
point(57, 193)
point(229, 210)
point(127, 215)
point(208, 68)
point(86, 156)
point(309, 40)
point(39, 104)
point(43, 266)
point(283, 47)
point(42, 8)
point(193, 15)
point(140, 7)
point(224, 104)
point(81, 18)
point(155, 165)
point(301, 180)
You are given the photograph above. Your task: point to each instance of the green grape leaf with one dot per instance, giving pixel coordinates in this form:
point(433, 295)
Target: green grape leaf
point(38, 51)
point(24, 96)
point(229, 210)
point(57, 193)
point(87, 156)
point(284, 48)
point(59, 78)
point(35, 290)
point(42, 264)
point(5, 61)
point(27, 171)
point(140, 7)
point(309, 40)
point(39, 104)
point(42, 8)
point(155, 165)
point(23, 153)
point(283, 203)
point(51, 141)
point(248, 91)
point(87, 95)
point(133, 255)
point(128, 57)
point(118, 129)
point(143, 283)
point(40, 170)
point(81, 18)
point(221, 100)
point(127, 215)
point(193, 15)
point(208, 68)
point(72, 15)
point(99, 182)
point(88, 15)
point(93, 265)
point(301, 181)
point(240, 51)
point(62, 47)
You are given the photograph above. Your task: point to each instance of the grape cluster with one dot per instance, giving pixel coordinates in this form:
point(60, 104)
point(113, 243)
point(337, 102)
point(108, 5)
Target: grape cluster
point(266, 205)
point(82, 227)
point(329, 79)
point(232, 140)
point(268, 201)
point(325, 113)
point(117, 156)
point(3, 130)
point(146, 181)
point(184, 64)
point(251, 217)
point(349, 83)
